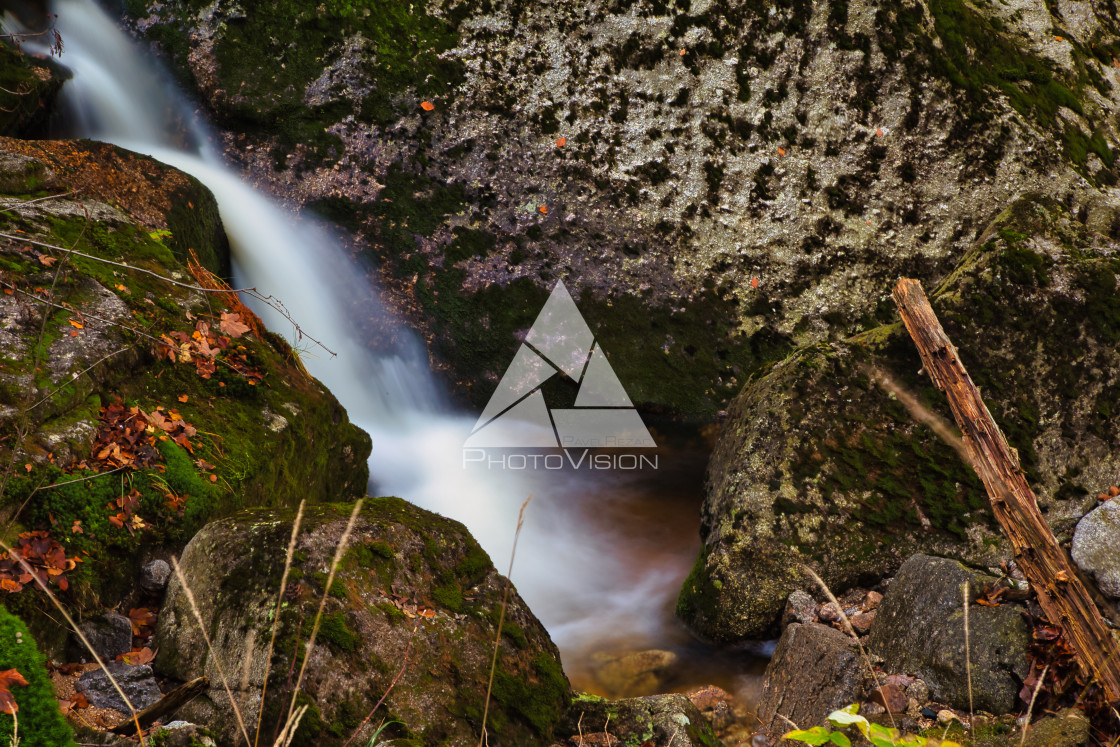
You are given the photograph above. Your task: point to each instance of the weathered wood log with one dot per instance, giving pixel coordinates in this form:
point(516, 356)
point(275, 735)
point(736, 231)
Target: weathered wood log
point(1061, 594)
point(165, 706)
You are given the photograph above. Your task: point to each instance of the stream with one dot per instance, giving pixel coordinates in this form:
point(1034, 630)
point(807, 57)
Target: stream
point(602, 553)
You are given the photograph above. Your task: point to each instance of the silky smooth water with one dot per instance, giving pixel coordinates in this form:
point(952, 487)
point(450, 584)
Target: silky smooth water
point(602, 553)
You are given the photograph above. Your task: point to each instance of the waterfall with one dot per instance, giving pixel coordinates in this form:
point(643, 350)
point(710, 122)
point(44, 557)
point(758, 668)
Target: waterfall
point(568, 566)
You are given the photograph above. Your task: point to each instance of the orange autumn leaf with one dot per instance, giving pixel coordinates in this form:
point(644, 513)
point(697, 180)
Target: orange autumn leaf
point(232, 325)
point(213, 478)
point(183, 398)
point(561, 142)
point(7, 700)
point(46, 261)
point(28, 467)
point(754, 282)
point(1058, 38)
point(73, 333)
point(427, 106)
point(77, 528)
point(76, 325)
point(781, 151)
point(544, 209)
point(684, 52)
point(878, 132)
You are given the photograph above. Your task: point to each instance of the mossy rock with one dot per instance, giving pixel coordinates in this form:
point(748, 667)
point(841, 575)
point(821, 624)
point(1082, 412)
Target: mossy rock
point(708, 210)
point(817, 465)
point(649, 721)
point(40, 721)
point(266, 432)
point(428, 611)
point(28, 89)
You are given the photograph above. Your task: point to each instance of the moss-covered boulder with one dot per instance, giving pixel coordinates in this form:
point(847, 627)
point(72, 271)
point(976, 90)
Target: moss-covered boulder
point(414, 596)
point(818, 465)
point(28, 88)
point(40, 723)
point(133, 407)
point(659, 156)
point(648, 721)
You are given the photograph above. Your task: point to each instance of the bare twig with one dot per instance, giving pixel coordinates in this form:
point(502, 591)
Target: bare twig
point(968, 656)
point(269, 300)
point(1030, 706)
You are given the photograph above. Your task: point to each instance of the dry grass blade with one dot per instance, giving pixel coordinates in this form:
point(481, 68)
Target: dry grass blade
point(210, 647)
point(81, 636)
point(1030, 706)
point(968, 654)
point(400, 673)
point(852, 632)
point(501, 621)
point(342, 542)
point(276, 615)
point(289, 731)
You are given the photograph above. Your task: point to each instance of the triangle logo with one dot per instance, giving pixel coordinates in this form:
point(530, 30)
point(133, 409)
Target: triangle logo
point(560, 342)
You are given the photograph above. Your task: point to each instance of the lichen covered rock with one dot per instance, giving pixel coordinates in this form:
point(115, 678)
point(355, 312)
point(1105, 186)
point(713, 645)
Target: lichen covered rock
point(115, 348)
point(816, 464)
point(654, 720)
point(715, 181)
point(920, 630)
point(414, 594)
point(1094, 547)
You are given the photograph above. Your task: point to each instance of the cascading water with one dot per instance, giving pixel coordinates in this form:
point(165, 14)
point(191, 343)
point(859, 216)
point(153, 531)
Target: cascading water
point(590, 566)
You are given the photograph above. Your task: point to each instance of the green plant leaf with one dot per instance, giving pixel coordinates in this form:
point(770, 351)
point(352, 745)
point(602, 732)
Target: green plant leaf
point(849, 716)
point(816, 736)
point(840, 739)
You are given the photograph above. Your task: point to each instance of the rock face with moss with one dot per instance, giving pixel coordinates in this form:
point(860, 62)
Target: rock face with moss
point(28, 86)
point(100, 350)
point(659, 156)
point(414, 593)
point(818, 465)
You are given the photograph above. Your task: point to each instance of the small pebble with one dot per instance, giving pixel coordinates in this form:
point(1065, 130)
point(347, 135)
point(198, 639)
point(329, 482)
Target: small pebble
point(929, 713)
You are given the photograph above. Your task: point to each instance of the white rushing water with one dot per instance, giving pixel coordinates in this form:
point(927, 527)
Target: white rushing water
point(568, 567)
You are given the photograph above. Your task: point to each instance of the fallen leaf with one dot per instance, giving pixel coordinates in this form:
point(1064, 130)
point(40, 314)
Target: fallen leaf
point(781, 151)
point(878, 132)
point(561, 142)
point(183, 398)
point(7, 700)
point(232, 325)
point(1058, 38)
point(754, 282)
point(28, 467)
point(427, 106)
point(79, 700)
point(46, 261)
point(73, 333)
point(544, 209)
point(684, 52)
point(213, 478)
point(77, 528)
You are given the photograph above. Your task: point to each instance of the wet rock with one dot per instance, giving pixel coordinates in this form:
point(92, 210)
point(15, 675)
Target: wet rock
point(632, 673)
point(405, 569)
point(109, 634)
point(815, 669)
point(816, 465)
point(800, 607)
point(861, 622)
point(1094, 546)
point(137, 682)
point(919, 629)
point(717, 705)
point(182, 734)
point(154, 576)
point(654, 720)
point(829, 613)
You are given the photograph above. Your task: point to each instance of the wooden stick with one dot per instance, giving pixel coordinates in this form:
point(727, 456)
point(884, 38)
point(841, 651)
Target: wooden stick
point(1055, 580)
point(166, 705)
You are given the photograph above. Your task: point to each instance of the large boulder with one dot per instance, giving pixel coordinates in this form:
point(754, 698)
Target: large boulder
point(1094, 546)
point(659, 156)
point(920, 630)
point(128, 392)
point(415, 596)
point(817, 465)
point(815, 670)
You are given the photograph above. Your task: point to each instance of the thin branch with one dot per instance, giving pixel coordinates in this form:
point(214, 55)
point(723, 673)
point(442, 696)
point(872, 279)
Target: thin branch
point(271, 301)
point(404, 665)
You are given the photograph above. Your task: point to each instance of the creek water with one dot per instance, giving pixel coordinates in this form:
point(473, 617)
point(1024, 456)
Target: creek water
point(602, 553)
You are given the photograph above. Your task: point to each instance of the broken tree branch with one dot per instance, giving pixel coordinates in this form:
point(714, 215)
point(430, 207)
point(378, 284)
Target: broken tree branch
point(1063, 597)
